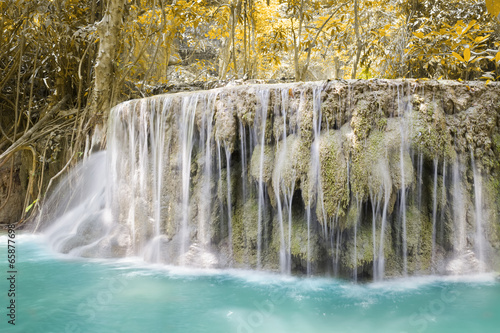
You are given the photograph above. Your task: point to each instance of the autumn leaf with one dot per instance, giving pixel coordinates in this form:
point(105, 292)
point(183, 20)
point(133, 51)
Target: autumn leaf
point(480, 39)
point(458, 56)
point(493, 7)
point(471, 24)
point(467, 54)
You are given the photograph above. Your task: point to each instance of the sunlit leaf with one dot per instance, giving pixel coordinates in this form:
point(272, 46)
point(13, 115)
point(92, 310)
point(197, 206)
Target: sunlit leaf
point(467, 55)
point(471, 24)
point(493, 7)
point(480, 39)
point(31, 205)
point(458, 56)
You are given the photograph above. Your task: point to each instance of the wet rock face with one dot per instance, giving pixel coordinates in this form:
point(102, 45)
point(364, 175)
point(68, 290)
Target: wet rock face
point(356, 178)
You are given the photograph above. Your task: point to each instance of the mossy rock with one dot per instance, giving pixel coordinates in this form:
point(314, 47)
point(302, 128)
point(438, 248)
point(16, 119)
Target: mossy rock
point(298, 246)
point(369, 170)
point(418, 240)
point(402, 174)
point(292, 163)
point(365, 117)
point(265, 158)
point(429, 132)
point(333, 175)
point(245, 233)
point(225, 126)
point(305, 114)
point(364, 245)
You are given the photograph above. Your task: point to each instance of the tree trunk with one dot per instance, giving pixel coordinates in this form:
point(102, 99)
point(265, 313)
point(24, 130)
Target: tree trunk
point(109, 38)
point(358, 40)
point(297, 40)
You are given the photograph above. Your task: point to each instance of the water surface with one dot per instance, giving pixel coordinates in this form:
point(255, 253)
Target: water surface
point(57, 293)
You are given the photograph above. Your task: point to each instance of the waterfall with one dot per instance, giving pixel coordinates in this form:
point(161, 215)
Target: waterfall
point(434, 214)
point(356, 223)
point(403, 185)
point(262, 117)
point(459, 214)
point(420, 167)
point(206, 146)
point(283, 177)
point(478, 195)
point(337, 251)
point(308, 254)
point(443, 203)
point(375, 211)
point(187, 143)
point(229, 205)
point(380, 272)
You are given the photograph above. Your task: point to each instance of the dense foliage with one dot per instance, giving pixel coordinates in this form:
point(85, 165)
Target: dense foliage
point(70, 55)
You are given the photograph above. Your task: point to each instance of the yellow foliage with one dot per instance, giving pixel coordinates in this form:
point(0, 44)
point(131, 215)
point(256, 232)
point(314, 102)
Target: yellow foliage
point(493, 7)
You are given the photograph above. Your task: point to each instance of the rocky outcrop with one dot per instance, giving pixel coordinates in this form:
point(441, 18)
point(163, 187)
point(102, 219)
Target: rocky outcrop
point(358, 178)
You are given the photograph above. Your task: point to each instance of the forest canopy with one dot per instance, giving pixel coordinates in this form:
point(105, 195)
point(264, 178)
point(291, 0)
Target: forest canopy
point(50, 48)
point(64, 63)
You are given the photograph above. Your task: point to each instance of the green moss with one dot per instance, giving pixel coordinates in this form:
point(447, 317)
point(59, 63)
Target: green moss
point(364, 246)
point(396, 172)
point(298, 246)
point(365, 118)
point(292, 164)
point(333, 168)
point(245, 232)
point(418, 240)
point(267, 159)
point(429, 132)
point(225, 126)
point(351, 218)
point(381, 124)
point(496, 142)
point(305, 119)
point(369, 170)
point(331, 109)
point(222, 186)
point(491, 188)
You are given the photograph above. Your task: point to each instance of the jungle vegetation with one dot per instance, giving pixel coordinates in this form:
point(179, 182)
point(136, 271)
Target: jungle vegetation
point(65, 63)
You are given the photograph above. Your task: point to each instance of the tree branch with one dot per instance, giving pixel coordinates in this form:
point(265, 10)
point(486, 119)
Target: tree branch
point(35, 128)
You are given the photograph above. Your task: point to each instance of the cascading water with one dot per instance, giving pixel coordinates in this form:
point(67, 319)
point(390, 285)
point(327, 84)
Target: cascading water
point(261, 129)
point(310, 177)
point(434, 214)
point(478, 195)
point(459, 213)
point(402, 150)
